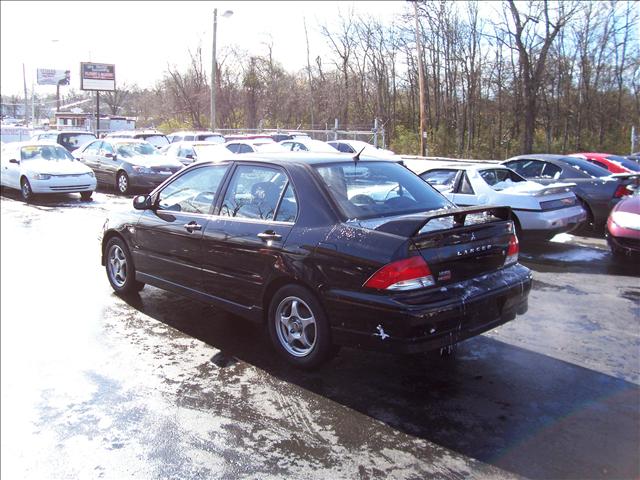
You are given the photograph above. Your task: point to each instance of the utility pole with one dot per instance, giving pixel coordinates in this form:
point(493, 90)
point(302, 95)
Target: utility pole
point(423, 116)
point(26, 112)
point(213, 72)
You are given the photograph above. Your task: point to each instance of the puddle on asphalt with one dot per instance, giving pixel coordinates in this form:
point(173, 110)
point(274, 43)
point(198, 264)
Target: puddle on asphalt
point(632, 294)
point(539, 285)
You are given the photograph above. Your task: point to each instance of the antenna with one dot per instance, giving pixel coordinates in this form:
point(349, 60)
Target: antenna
point(356, 157)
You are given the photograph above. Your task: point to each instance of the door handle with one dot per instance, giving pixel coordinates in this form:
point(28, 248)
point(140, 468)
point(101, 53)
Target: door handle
point(269, 235)
point(192, 226)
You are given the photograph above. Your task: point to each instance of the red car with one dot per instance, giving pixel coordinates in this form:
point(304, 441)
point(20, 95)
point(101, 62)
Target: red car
point(623, 226)
point(608, 161)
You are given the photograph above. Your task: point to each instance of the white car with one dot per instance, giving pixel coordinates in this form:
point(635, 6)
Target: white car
point(188, 152)
point(540, 211)
point(368, 150)
point(257, 145)
point(44, 167)
point(306, 144)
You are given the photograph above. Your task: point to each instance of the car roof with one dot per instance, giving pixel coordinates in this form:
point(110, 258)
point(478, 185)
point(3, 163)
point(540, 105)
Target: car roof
point(195, 132)
point(30, 143)
point(123, 139)
point(300, 158)
point(541, 156)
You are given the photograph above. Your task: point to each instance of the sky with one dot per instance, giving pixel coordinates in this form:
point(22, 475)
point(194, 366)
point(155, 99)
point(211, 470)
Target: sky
point(142, 38)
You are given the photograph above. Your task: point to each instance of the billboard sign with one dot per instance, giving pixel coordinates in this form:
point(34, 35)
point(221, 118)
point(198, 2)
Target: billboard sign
point(97, 76)
point(48, 76)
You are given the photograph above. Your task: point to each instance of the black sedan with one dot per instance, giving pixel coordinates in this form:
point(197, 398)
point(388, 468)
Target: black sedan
point(327, 251)
point(596, 187)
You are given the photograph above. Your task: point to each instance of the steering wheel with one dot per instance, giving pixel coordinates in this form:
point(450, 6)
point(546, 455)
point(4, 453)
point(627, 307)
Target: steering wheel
point(362, 199)
point(400, 202)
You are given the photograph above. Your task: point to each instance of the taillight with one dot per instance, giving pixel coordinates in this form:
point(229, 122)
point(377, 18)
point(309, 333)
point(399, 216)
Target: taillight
point(406, 274)
point(512, 251)
point(622, 191)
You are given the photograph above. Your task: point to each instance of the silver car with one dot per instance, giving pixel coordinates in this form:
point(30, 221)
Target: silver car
point(127, 163)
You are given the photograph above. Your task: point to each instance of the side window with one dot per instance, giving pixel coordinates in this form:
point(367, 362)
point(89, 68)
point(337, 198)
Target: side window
point(93, 148)
point(299, 147)
point(253, 193)
point(242, 148)
point(288, 209)
point(194, 191)
point(288, 145)
point(465, 185)
point(106, 148)
point(443, 180)
point(189, 137)
point(233, 147)
point(597, 162)
point(344, 148)
point(551, 171)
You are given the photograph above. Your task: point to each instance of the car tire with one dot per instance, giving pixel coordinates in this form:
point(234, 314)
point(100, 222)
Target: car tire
point(25, 190)
point(298, 327)
point(122, 183)
point(120, 269)
point(86, 196)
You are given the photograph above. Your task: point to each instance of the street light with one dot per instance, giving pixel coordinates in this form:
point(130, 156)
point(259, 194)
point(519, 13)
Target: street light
point(214, 66)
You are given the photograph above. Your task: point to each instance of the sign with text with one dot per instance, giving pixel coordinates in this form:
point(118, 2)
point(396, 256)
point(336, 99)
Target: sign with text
point(97, 76)
point(48, 76)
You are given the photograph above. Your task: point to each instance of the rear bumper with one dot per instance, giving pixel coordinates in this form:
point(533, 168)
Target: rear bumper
point(414, 323)
point(551, 222)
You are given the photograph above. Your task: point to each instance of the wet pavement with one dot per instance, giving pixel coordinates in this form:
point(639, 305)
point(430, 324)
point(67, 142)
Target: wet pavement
point(158, 386)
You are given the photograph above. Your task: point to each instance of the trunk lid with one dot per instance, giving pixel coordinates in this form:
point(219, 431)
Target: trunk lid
point(458, 243)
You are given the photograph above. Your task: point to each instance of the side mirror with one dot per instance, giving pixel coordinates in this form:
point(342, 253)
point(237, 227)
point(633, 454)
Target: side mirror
point(189, 156)
point(13, 160)
point(142, 202)
point(110, 155)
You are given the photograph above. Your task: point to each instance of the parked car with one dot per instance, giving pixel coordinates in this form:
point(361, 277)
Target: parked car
point(253, 146)
point(355, 146)
point(36, 167)
point(69, 139)
point(302, 144)
point(154, 137)
point(292, 240)
point(196, 136)
point(188, 152)
point(613, 163)
point(539, 211)
point(280, 136)
point(126, 163)
point(634, 157)
point(248, 136)
point(623, 226)
point(596, 188)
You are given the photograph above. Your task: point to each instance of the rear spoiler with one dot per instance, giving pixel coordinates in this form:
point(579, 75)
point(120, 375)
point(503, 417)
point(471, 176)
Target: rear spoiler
point(411, 225)
point(631, 177)
point(555, 188)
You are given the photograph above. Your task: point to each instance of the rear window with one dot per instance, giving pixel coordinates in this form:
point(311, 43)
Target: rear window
point(625, 162)
point(74, 140)
point(366, 190)
point(155, 140)
point(500, 178)
point(211, 138)
point(586, 167)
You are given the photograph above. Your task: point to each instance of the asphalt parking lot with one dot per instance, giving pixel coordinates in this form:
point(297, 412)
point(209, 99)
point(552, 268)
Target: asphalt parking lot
point(158, 386)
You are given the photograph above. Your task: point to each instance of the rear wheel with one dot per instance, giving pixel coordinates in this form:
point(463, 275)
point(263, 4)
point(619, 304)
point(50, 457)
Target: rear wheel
point(120, 270)
point(25, 190)
point(122, 183)
point(298, 327)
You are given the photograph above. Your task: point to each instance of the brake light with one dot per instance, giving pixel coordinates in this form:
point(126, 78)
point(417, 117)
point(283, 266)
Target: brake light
point(407, 274)
point(512, 251)
point(622, 191)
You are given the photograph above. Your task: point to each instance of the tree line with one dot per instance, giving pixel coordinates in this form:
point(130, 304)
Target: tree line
point(538, 76)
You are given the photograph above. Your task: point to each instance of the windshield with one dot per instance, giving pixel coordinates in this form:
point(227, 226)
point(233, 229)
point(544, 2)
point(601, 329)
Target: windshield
point(378, 189)
point(44, 152)
point(156, 140)
point(625, 162)
point(500, 178)
point(132, 149)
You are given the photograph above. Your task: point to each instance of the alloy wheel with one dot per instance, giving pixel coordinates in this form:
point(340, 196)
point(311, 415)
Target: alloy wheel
point(117, 266)
point(295, 326)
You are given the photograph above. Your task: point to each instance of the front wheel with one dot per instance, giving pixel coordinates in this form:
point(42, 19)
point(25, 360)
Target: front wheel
point(120, 270)
point(122, 183)
point(25, 190)
point(298, 327)
point(86, 196)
